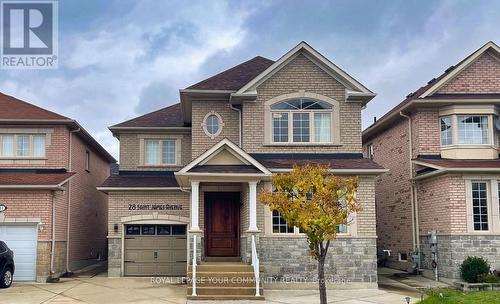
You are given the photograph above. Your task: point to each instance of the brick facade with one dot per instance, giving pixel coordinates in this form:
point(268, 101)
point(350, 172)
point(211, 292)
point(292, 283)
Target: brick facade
point(87, 233)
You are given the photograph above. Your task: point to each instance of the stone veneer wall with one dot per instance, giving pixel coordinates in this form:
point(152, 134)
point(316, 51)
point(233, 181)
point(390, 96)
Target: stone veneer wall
point(44, 248)
point(453, 249)
point(351, 259)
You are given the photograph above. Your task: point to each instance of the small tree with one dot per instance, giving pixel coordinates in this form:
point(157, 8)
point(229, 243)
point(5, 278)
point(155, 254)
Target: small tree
point(317, 202)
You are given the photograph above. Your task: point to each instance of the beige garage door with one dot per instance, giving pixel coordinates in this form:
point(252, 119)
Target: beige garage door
point(155, 250)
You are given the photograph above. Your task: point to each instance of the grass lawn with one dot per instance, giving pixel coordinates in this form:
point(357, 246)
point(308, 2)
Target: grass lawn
point(460, 297)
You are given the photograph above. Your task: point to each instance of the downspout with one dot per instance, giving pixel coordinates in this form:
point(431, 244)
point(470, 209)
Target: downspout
point(240, 122)
point(414, 212)
point(68, 215)
point(53, 245)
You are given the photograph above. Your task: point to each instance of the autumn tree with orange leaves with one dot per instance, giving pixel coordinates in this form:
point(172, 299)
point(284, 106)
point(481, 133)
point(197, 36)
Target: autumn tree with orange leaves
point(311, 198)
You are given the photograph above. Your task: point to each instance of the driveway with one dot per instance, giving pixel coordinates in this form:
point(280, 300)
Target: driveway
point(101, 289)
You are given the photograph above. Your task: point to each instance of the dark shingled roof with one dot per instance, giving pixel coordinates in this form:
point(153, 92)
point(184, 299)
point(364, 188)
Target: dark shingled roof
point(140, 181)
point(236, 77)
point(13, 108)
point(333, 160)
point(462, 163)
point(33, 179)
point(226, 169)
point(170, 116)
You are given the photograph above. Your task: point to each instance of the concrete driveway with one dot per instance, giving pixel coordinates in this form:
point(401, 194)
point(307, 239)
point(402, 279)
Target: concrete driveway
point(101, 289)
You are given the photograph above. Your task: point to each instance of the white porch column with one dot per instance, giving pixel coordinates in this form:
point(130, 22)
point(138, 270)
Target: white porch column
point(252, 202)
point(195, 202)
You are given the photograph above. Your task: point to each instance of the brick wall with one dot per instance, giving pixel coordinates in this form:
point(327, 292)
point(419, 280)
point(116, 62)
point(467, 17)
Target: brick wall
point(88, 206)
point(201, 141)
point(483, 76)
point(426, 132)
point(56, 150)
point(393, 191)
point(301, 74)
point(441, 203)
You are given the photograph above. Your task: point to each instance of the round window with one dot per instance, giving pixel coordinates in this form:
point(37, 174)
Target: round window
point(212, 124)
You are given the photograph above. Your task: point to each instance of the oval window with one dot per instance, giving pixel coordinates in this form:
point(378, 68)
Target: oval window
point(212, 124)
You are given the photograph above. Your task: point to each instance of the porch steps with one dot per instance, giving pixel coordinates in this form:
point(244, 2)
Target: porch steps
point(219, 281)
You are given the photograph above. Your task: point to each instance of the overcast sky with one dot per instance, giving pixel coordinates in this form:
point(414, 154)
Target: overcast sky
point(120, 59)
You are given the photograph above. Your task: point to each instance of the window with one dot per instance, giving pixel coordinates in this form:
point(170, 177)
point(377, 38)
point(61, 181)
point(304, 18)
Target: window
point(280, 225)
point(301, 121)
point(280, 127)
point(87, 160)
point(480, 206)
point(155, 230)
point(472, 129)
point(160, 152)
point(369, 150)
point(446, 131)
point(212, 124)
point(133, 230)
point(22, 145)
point(403, 257)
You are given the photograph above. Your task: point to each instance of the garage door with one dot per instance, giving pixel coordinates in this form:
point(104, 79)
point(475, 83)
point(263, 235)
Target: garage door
point(155, 250)
point(21, 240)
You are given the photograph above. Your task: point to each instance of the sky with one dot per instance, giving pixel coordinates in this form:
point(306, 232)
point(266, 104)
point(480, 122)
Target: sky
point(119, 59)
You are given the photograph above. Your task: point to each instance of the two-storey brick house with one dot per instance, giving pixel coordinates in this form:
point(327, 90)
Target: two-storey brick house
point(191, 173)
point(55, 219)
point(441, 147)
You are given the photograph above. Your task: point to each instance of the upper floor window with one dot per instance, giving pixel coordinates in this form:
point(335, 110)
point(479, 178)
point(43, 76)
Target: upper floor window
point(301, 121)
point(466, 130)
point(446, 131)
point(87, 160)
point(472, 129)
point(212, 124)
point(370, 151)
point(160, 152)
point(22, 145)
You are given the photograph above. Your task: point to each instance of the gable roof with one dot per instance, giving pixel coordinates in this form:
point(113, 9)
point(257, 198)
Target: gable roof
point(168, 117)
point(236, 77)
point(428, 92)
point(19, 112)
point(355, 87)
point(16, 109)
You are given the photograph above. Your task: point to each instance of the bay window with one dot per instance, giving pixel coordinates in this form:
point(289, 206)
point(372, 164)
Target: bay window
point(160, 152)
point(301, 121)
point(446, 137)
point(22, 145)
point(472, 129)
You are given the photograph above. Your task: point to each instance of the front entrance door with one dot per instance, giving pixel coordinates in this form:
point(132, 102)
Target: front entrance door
point(222, 221)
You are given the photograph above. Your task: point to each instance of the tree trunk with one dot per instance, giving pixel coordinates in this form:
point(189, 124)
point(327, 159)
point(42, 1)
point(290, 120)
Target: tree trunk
point(321, 280)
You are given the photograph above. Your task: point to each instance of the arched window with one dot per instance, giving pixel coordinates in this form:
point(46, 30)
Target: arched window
point(301, 120)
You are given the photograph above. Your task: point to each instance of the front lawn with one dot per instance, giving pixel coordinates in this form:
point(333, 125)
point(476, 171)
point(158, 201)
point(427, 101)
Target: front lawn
point(460, 297)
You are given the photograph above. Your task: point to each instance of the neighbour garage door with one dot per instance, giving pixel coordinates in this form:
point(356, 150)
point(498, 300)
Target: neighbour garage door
point(157, 250)
point(21, 240)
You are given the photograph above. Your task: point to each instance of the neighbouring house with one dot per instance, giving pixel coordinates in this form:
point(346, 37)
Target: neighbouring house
point(55, 219)
point(440, 145)
point(191, 174)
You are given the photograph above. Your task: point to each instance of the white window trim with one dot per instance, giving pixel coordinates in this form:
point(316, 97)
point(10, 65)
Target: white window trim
point(454, 131)
point(400, 259)
point(268, 226)
point(87, 160)
point(142, 148)
point(204, 124)
point(370, 151)
point(31, 150)
point(493, 204)
point(335, 120)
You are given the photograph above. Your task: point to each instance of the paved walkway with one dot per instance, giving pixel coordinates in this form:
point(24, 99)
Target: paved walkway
point(96, 288)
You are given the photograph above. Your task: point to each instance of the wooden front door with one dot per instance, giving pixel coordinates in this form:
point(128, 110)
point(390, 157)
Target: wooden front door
point(222, 223)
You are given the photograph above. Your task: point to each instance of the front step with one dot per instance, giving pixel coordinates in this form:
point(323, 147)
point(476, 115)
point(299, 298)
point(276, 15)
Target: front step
point(224, 281)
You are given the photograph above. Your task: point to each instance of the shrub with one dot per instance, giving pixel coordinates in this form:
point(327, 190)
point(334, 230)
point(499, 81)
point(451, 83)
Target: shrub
point(488, 278)
point(472, 268)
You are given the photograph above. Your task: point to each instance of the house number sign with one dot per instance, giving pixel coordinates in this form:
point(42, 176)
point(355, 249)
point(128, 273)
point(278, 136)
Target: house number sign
point(2, 208)
point(146, 206)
